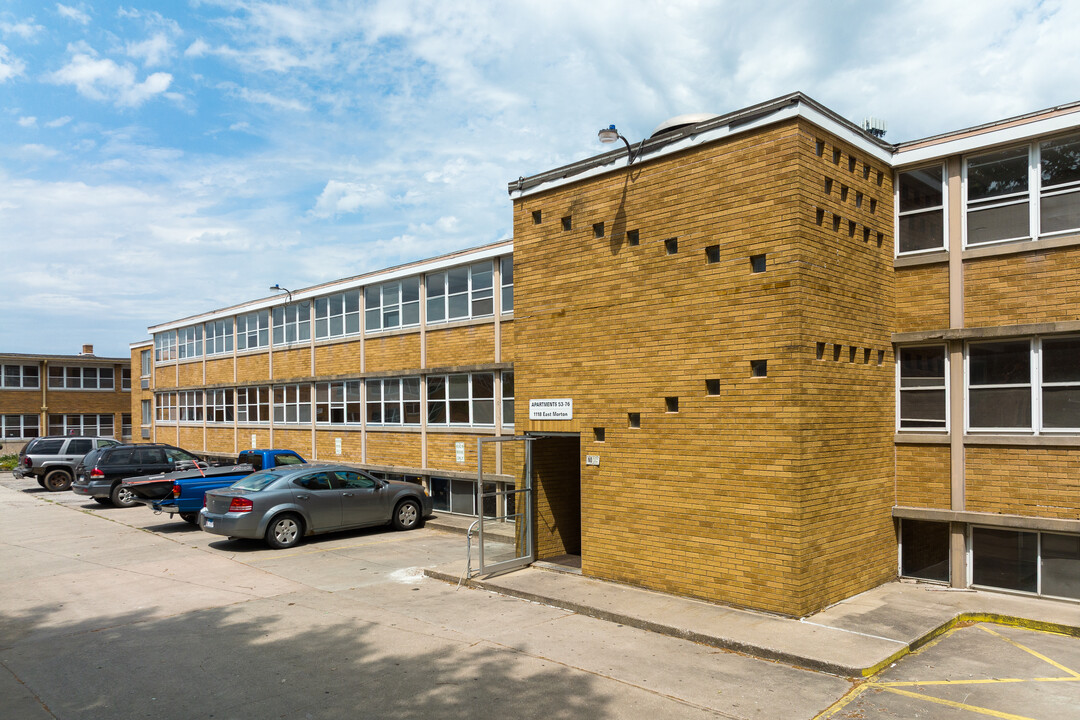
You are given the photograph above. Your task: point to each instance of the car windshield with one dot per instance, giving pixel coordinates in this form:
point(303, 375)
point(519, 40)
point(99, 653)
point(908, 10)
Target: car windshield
point(255, 482)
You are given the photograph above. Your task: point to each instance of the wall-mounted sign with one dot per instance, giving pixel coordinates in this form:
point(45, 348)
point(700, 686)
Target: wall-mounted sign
point(557, 409)
point(337, 446)
point(592, 459)
point(459, 450)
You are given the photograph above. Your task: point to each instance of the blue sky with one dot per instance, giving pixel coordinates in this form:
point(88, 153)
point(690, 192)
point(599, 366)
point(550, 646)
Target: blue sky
point(161, 159)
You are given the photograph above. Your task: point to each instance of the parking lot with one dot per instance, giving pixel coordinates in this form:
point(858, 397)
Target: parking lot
point(120, 613)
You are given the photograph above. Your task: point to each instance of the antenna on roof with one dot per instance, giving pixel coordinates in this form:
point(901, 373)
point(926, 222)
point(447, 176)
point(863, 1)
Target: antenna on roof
point(875, 126)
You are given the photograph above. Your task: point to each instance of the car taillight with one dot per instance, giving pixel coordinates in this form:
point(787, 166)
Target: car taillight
point(240, 504)
point(176, 490)
point(27, 462)
point(95, 473)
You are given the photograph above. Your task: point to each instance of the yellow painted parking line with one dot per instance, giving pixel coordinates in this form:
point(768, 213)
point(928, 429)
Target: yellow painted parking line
point(1042, 657)
point(954, 704)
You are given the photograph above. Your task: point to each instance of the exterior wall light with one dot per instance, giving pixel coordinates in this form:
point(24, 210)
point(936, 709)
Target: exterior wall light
point(278, 288)
point(609, 135)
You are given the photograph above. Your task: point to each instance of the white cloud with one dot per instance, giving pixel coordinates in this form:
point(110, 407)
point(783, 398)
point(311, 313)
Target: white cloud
point(26, 29)
point(72, 13)
point(34, 150)
point(264, 98)
point(28, 121)
point(10, 66)
point(339, 198)
point(103, 79)
point(153, 51)
point(198, 48)
point(58, 122)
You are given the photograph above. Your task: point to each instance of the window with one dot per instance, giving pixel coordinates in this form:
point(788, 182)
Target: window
point(759, 368)
point(81, 378)
point(292, 323)
point(19, 427)
point(712, 254)
point(165, 346)
point(671, 246)
point(147, 359)
point(219, 336)
point(81, 424)
point(392, 305)
point(1004, 559)
point(757, 263)
point(21, 377)
point(508, 398)
point(393, 401)
point(506, 278)
point(292, 403)
point(461, 399)
point(633, 420)
point(999, 385)
point(190, 405)
point(165, 407)
point(338, 402)
point(189, 342)
point(253, 330)
point(1060, 383)
point(125, 425)
point(922, 389)
point(253, 405)
point(461, 292)
point(125, 378)
point(337, 315)
point(920, 204)
point(147, 412)
point(1059, 176)
point(219, 406)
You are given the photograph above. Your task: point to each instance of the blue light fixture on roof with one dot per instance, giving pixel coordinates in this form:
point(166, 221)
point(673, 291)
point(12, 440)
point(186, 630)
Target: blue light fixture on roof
point(610, 134)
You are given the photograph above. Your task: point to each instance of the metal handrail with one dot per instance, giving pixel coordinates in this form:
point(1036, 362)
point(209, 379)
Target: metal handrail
point(468, 552)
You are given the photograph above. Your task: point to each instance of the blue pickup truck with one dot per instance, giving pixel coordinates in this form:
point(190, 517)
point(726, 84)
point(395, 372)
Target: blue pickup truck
point(181, 493)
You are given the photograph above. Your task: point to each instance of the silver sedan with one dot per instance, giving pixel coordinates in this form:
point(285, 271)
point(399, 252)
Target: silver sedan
point(285, 504)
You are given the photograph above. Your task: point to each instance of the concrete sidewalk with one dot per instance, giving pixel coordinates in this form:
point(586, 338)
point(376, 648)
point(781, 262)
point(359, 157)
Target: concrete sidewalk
point(856, 637)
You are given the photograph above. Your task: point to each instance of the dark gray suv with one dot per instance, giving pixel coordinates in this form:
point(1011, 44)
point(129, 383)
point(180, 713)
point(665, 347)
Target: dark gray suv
point(100, 473)
point(52, 460)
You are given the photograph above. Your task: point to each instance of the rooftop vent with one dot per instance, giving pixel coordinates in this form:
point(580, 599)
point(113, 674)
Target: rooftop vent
point(680, 121)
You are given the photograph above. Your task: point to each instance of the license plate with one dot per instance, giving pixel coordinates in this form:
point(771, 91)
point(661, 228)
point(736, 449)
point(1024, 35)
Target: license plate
point(209, 522)
point(82, 478)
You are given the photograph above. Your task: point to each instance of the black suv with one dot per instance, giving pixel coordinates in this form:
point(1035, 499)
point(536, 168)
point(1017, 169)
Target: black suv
point(52, 460)
point(101, 471)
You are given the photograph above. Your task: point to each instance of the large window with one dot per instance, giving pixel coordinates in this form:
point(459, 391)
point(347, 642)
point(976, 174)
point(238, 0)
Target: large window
point(1060, 383)
point(147, 412)
point(190, 405)
point(19, 377)
point(253, 330)
point(392, 305)
point(506, 273)
point(165, 407)
point(165, 346)
point(922, 388)
point(146, 358)
point(18, 427)
point(219, 406)
point(337, 315)
point(508, 398)
point(393, 401)
point(461, 399)
point(921, 210)
point(189, 342)
point(219, 336)
point(292, 323)
point(338, 402)
point(462, 292)
point(74, 377)
point(81, 425)
point(253, 405)
point(292, 403)
point(1024, 192)
point(1035, 562)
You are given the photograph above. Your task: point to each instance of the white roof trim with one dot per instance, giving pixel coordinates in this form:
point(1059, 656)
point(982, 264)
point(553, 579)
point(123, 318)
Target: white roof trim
point(984, 140)
point(336, 286)
point(787, 112)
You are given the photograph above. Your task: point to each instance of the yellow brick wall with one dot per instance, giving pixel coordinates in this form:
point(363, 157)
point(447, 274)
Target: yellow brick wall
point(1042, 482)
point(394, 352)
point(293, 439)
point(506, 330)
point(401, 449)
point(20, 401)
point(243, 437)
point(219, 370)
point(220, 439)
point(922, 298)
point(189, 374)
point(922, 476)
point(1031, 287)
point(338, 358)
point(351, 445)
point(254, 367)
point(292, 363)
point(138, 395)
point(461, 346)
point(191, 438)
point(746, 492)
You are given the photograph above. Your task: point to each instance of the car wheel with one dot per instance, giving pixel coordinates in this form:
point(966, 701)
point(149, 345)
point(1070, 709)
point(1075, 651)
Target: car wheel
point(40, 481)
point(189, 517)
point(103, 501)
point(284, 531)
point(57, 481)
point(407, 515)
point(122, 497)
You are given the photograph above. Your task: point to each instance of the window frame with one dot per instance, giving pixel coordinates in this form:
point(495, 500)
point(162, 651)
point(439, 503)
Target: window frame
point(339, 398)
point(165, 346)
point(297, 327)
point(398, 306)
point(220, 406)
point(218, 337)
point(325, 314)
point(260, 333)
point(7, 423)
point(22, 381)
point(189, 342)
point(77, 377)
point(392, 406)
point(83, 426)
point(166, 409)
point(900, 427)
point(257, 397)
point(471, 294)
point(944, 208)
point(471, 400)
point(294, 408)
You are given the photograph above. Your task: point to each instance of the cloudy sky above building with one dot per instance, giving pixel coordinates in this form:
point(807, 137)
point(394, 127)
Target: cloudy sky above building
point(161, 159)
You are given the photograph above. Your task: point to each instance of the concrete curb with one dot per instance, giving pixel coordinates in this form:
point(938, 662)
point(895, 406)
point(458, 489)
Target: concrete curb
point(760, 651)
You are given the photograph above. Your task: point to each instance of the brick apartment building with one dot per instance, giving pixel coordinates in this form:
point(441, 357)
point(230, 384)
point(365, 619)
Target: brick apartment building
point(790, 360)
point(63, 395)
